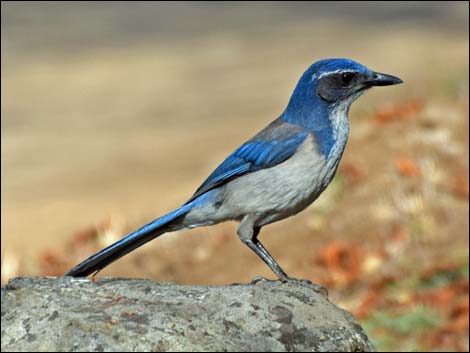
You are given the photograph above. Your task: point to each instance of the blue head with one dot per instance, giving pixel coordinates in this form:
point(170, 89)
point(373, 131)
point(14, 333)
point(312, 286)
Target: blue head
point(337, 81)
point(325, 91)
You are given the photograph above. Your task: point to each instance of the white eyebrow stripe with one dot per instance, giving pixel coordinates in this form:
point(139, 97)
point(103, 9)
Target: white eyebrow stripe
point(323, 74)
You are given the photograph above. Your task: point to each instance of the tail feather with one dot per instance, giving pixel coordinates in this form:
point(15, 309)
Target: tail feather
point(132, 241)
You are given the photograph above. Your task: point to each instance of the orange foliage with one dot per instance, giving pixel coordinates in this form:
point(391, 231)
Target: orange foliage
point(52, 264)
point(353, 174)
point(407, 167)
point(374, 296)
point(344, 262)
point(406, 110)
point(461, 186)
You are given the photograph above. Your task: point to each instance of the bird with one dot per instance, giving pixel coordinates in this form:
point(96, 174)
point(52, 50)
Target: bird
point(274, 175)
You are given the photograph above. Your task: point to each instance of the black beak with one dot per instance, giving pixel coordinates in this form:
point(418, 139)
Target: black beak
point(378, 79)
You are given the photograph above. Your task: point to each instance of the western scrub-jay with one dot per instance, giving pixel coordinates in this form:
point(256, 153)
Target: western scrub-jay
point(275, 174)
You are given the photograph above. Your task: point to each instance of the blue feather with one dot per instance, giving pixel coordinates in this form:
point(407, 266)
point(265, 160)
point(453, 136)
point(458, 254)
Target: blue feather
point(308, 110)
point(130, 242)
point(273, 145)
point(306, 113)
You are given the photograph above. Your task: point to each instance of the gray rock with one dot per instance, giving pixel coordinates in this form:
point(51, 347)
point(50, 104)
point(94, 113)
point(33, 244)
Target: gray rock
point(69, 314)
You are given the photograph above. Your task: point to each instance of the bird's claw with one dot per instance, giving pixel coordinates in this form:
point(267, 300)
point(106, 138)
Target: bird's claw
point(316, 287)
point(259, 279)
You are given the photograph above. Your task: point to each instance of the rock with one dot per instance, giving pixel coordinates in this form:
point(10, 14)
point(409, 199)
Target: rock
point(72, 314)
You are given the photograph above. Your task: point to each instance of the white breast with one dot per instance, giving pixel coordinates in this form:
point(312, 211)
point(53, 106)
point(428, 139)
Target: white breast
point(340, 122)
point(281, 191)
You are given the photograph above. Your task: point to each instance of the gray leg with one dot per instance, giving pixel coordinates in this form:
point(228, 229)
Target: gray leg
point(248, 234)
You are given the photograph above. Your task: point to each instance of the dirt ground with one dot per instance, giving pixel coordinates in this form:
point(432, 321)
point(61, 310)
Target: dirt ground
point(110, 122)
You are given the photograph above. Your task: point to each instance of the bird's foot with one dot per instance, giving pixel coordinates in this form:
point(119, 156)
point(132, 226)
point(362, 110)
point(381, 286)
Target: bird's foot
point(316, 287)
point(259, 279)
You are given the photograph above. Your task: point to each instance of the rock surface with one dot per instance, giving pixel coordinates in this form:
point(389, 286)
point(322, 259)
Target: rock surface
point(68, 314)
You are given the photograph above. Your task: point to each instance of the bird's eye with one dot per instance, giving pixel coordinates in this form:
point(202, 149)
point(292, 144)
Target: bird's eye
point(347, 77)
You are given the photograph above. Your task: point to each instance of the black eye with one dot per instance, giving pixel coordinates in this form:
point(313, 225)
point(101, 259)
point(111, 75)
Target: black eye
point(347, 77)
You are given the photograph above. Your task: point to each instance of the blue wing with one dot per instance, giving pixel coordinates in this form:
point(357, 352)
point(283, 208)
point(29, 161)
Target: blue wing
point(273, 145)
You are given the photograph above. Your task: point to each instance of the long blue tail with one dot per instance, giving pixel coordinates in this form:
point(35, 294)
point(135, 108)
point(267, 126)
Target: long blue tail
point(124, 246)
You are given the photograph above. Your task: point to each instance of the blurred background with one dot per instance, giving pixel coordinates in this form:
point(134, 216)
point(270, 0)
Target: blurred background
point(114, 113)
